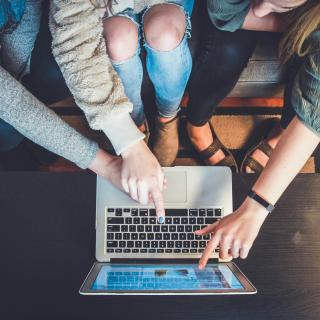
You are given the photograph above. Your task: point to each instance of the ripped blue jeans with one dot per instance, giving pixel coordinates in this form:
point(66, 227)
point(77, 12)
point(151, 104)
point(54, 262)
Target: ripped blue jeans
point(169, 71)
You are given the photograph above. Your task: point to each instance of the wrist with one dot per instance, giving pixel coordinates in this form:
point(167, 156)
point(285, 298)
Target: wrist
point(133, 149)
point(100, 164)
point(255, 209)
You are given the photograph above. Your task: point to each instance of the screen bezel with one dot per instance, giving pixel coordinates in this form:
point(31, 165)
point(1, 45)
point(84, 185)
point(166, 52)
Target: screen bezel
point(86, 288)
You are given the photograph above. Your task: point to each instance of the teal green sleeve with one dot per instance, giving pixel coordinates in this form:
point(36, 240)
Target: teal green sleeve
point(228, 15)
point(306, 93)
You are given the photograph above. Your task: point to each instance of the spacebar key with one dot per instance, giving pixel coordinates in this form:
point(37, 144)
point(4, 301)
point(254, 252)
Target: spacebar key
point(177, 212)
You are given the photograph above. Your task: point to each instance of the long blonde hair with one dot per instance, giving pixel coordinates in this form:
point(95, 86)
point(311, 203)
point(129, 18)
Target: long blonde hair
point(301, 23)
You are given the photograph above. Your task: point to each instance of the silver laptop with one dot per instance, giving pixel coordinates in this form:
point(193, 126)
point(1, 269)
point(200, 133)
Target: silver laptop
point(137, 255)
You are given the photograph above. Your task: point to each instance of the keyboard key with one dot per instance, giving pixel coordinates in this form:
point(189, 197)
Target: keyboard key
point(152, 250)
point(127, 250)
point(134, 212)
point(166, 236)
point(209, 212)
point(210, 220)
point(200, 250)
point(176, 220)
point(202, 244)
point(184, 220)
point(128, 220)
point(180, 228)
point(143, 212)
point(110, 236)
point(154, 244)
point(168, 250)
point(160, 250)
point(172, 228)
point(200, 220)
point(152, 212)
point(152, 220)
point(217, 212)
point(118, 236)
point(178, 244)
point(162, 244)
point(112, 244)
point(130, 244)
point(135, 250)
point(138, 244)
point(190, 236)
point(142, 236)
point(202, 212)
point(176, 212)
point(148, 228)
point(188, 228)
point(186, 244)
point(110, 210)
point(126, 236)
point(193, 250)
point(150, 236)
point(134, 236)
point(132, 228)
point(146, 244)
point(193, 212)
point(126, 210)
point(185, 250)
point(144, 220)
point(177, 250)
point(168, 220)
point(118, 212)
point(194, 244)
point(174, 236)
point(122, 244)
point(112, 220)
point(164, 228)
point(192, 220)
point(140, 228)
point(118, 250)
point(158, 236)
point(195, 228)
point(110, 250)
point(136, 220)
point(217, 250)
point(206, 237)
point(156, 228)
point(124, 228)
point(170, 244)
point(182, 236)
point(111, 228)
point(143, 251)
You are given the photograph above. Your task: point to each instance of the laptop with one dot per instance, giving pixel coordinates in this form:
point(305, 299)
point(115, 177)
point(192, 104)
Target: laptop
point(137, 255)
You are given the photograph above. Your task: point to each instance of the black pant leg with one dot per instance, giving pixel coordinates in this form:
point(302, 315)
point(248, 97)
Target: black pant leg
point(218, 66)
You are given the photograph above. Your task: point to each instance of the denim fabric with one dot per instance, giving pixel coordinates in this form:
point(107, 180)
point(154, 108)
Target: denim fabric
point(11, 12)
point(15, 53)
point(169, 71)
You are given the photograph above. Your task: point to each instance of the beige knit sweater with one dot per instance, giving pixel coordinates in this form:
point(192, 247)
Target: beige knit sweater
point(80, 51)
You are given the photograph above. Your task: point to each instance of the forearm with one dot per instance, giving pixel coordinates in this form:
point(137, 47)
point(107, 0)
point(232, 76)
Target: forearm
point(272, 22)
point(34, 120)
point(291, 153)
point(79, 48)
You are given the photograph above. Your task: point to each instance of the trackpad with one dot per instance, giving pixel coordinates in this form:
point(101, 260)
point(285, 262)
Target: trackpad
point(176, 187)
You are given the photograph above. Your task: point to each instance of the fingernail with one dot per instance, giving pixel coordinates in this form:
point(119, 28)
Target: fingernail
point(200, 266)
point(161, 219)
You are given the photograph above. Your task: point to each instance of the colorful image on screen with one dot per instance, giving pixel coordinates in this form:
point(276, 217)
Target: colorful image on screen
point(165, 278)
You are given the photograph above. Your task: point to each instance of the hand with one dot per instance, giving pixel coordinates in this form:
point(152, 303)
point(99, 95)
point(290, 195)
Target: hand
point(142, 177)
point(235, 232)
point(109, 167)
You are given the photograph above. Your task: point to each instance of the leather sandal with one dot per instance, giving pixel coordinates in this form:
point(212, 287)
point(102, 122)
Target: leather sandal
point(263, 146)
point(216, 145)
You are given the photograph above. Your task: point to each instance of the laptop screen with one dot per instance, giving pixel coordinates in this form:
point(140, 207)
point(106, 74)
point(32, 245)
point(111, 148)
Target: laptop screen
point(162, 277)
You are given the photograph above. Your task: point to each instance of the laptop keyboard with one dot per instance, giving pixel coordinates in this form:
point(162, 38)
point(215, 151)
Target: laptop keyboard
point(134, 230)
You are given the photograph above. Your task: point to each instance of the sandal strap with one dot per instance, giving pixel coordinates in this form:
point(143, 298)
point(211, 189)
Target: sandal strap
point(211, 150)
point(253, 164)
point(228, 161)
point(265, 147)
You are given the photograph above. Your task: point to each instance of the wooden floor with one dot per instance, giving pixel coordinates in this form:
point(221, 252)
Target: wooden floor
point(239, 123)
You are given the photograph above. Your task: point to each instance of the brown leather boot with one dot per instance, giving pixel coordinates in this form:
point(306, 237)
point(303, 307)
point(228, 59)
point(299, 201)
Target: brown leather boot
point(166, 142)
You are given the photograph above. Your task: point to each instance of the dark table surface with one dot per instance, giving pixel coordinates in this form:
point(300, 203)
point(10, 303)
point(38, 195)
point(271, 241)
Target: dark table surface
point(47, 243)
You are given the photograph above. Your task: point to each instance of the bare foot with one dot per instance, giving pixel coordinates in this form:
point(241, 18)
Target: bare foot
point(201, 138)
point(273, 139)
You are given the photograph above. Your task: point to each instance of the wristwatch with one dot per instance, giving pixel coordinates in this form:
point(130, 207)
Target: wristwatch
point(268, 206)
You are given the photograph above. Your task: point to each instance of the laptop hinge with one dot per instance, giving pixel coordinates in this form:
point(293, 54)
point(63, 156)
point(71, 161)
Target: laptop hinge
point(162, 260)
